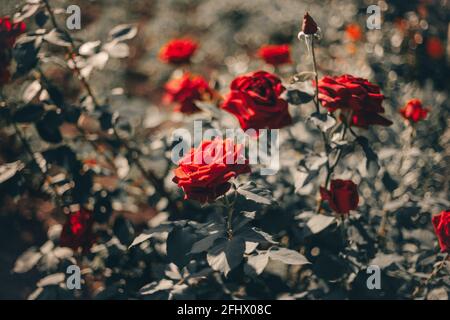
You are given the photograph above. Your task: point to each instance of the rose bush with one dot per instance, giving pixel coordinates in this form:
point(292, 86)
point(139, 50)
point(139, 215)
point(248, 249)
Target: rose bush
point(88, 175)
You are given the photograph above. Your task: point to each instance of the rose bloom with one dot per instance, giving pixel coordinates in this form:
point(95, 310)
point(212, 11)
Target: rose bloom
point(309, 26)
point(414, 111)
point(203, 174)
point(358, 99)
point(275, 54)
point(185, 90)
point(342, 196)
point(77, 231)
point(255, 101)
point(441, 223)
point(178, 51)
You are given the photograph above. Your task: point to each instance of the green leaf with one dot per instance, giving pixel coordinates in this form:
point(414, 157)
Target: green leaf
point(251, 192)
point(226, 254)
point(288, 256)
point(179, 245)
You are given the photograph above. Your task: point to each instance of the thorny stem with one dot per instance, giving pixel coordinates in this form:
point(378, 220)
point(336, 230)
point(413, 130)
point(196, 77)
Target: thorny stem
point(431, 276)
point(157, 183)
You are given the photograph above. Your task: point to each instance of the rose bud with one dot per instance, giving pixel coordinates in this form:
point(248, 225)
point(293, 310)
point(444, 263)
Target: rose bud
point(441, 223)
point(342, 196)
point(414, 111)
point(203, 174)
point(309, 26)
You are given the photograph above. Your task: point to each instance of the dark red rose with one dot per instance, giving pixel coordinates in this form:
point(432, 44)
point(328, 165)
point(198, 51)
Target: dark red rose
point(358, 99)
point(435, 48)
point(77, 231)
point(178, 51)
point(9, 32)
point(275, 54)
point(187, 89)
point(342, 196)
point(414, 111)
point(309, 26)
point(203, 174)
point(441, 223)
point(255, 101)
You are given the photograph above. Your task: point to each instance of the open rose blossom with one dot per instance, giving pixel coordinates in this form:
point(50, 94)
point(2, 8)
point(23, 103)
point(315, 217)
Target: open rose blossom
point(185, 90)
point(178, 51)
point(414, 111)
point(358, 99)
point(203, 174)
point(275, 54)
point(77, 231)
point(342, 196)
point(255, 101)
point(441, 223)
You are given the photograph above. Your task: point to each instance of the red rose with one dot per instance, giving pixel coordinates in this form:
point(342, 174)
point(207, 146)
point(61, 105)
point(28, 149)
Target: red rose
point(275, 54)
point(178, 51)
point(353, 31)
point(185, 91)
point(203, 174)
point(309, 26)
point(255, 101)
point(414, 111)
point(441, 223)
point(358, 99)
point(342, 196)
point(77, 231)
